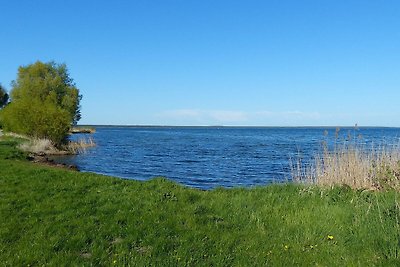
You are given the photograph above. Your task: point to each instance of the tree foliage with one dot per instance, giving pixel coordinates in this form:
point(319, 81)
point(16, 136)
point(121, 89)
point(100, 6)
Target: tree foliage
point(45, 102)
point(3, 96)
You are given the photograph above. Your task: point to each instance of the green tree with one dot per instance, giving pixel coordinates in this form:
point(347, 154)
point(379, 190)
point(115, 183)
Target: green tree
point(45, 102)
point(3, 96)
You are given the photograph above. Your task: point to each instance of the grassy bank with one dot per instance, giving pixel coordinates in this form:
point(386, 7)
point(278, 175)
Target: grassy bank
point(56, 217)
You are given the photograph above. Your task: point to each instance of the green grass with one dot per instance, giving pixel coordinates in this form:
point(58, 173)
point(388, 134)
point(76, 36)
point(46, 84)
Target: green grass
point(58, 217)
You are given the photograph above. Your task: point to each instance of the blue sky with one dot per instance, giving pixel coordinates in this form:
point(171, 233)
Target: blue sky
point(210, 62)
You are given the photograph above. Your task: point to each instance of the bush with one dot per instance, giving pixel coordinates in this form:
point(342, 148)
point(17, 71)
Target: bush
point(36, 119)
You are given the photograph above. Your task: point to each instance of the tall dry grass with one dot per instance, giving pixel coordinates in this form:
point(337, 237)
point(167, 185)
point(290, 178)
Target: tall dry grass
point(45, 146)
point(80, 146)
point(39, 146)
point(351, 164)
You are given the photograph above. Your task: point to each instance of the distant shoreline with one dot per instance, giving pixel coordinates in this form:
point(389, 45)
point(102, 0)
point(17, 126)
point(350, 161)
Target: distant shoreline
point(226, 126)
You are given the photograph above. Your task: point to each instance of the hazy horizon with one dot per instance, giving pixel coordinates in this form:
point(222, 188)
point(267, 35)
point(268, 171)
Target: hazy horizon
point(239, 126)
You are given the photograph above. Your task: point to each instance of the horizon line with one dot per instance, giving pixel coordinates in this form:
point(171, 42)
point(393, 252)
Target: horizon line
point(235, 126)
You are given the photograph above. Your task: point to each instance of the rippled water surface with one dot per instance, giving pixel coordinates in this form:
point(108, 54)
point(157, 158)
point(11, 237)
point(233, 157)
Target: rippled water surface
point(207, 157)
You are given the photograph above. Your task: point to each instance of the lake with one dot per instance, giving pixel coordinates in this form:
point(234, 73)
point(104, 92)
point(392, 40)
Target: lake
point(209, 157)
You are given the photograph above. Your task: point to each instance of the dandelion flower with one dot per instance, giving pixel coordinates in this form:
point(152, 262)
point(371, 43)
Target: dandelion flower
point(330, 237)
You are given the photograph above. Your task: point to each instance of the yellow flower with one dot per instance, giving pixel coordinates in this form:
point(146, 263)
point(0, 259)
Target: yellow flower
point(286, 247)
point(330, 237)
point(115, 261)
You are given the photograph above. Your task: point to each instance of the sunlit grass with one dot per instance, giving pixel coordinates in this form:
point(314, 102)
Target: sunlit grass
point(57, 217)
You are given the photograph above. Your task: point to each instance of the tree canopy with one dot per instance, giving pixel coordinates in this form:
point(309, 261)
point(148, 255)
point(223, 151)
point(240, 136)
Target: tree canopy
point(3, 96)
point(45, 102)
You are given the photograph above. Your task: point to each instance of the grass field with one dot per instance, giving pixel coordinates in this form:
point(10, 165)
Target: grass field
point(56, 217)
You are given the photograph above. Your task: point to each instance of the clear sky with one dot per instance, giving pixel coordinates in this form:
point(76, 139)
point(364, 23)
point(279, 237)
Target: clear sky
point(216, 62)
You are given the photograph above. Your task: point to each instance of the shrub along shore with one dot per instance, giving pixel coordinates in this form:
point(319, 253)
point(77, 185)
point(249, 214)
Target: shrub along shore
point(57, 217)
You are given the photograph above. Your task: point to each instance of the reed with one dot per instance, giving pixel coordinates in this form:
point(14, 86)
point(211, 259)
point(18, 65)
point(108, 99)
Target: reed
point(351, 164)
point(43, 146)
point(79, 146)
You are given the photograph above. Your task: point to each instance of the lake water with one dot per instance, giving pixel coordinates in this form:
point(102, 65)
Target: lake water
point(208, 157)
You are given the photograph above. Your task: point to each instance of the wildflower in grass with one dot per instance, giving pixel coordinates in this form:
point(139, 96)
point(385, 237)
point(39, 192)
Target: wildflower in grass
point(286, 247)
point(309, 247)
point(330, 237)
point(115, 261)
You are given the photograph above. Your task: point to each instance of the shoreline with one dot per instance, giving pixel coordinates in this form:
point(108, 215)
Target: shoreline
point(42, 159)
